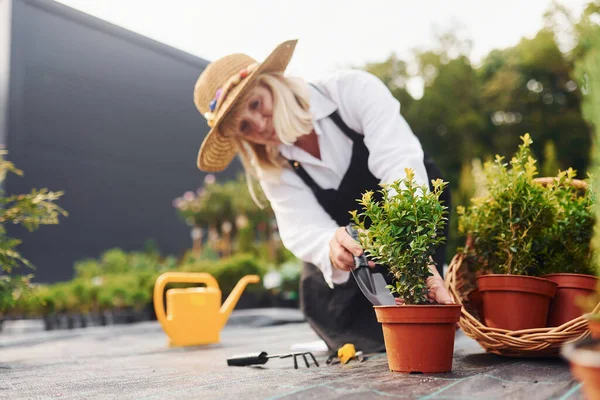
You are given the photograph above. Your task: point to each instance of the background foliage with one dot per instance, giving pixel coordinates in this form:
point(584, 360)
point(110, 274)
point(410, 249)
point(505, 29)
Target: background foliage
point(471, 112)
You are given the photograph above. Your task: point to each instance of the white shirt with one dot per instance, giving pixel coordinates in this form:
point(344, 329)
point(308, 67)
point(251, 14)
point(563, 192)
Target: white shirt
point(366, 105)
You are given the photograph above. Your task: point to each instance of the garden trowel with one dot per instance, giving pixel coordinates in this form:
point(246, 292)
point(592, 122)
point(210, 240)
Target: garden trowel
point(370, 280)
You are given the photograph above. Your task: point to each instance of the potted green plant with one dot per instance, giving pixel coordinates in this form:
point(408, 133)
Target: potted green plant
point(402, 232)
point(564, 250)
point(503, 227)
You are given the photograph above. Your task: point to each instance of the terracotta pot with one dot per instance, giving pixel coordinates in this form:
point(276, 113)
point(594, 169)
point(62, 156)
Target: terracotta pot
point(419, 338)
point(477, 303)
point(594, 325)
point(584, 358)
point(515, 302)
point(570, 286)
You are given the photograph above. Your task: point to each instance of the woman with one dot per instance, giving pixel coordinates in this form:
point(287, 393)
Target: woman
point(314, 149)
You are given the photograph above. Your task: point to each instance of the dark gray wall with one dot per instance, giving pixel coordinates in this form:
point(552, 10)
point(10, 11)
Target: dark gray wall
point(107, 116)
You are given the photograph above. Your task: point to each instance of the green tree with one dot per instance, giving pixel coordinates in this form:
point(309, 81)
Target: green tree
point(394, 73)
point(528, 88)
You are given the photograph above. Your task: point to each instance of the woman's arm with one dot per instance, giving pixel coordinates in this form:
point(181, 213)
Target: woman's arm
point(305, 228)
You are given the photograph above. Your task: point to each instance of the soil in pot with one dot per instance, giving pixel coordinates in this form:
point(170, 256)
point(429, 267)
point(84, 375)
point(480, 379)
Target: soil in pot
point(584, 358)
point(563, 307)
point(515, 302)
point(419, 338)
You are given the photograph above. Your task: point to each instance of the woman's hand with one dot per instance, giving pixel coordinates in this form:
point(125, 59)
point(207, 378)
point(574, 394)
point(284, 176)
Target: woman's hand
point(341, 250)
point(437, 290)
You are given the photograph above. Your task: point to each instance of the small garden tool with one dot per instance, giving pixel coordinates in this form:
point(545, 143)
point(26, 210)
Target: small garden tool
point(371, 282)
point(344, 354)
point(262, 358)
point(195, 315)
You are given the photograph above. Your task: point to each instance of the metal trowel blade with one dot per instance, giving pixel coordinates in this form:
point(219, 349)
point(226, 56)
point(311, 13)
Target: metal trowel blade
point(373, 287)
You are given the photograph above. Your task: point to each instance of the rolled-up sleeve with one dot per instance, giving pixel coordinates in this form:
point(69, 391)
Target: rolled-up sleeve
point(369, 107)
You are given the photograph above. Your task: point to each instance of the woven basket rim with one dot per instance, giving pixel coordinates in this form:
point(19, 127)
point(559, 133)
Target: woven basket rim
point(545, 341)
point(526, 342)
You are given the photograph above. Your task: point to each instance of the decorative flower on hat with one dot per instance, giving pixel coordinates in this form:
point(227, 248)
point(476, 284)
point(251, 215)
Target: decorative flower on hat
point(221, 93)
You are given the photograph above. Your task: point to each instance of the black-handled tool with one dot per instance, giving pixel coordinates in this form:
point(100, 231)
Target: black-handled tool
point(261, 358)
point(370, 281)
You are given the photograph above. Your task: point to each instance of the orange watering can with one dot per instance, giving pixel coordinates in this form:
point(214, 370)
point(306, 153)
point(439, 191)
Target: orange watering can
point(195, 315)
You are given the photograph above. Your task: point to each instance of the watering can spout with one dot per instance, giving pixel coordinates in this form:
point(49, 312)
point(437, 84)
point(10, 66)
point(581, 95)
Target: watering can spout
point(233, 298)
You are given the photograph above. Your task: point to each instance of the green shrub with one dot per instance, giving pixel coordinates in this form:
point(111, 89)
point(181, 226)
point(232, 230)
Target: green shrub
point(27, 302)
point(227, 271)
point(565, 247)
point(505, 224)
point(140, 298)
point(402, 232)
point(119, 279)
point(116, 262)
point(29, 210)
point(230, 270)
point(291, 271)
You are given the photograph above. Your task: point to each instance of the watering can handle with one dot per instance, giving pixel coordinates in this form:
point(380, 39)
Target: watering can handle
point(177, 277)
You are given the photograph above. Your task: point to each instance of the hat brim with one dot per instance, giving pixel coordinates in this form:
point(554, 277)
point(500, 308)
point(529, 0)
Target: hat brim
point(217, 151)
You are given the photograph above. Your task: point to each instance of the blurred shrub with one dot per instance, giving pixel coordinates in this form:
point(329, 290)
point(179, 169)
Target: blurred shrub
point(119, 279)
point(117, 261)
point(227, 271)
point(291, 271)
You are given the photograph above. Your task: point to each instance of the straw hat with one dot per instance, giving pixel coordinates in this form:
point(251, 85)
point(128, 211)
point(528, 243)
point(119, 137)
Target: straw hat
point(220, 84)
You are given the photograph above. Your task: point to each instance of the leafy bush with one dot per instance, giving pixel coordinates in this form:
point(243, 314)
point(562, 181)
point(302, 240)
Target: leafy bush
point(227, 271)
point(403, 231)
point(565, 247)
point(29, 210)
point(116, 261)
point(505, 224)
point(291, 271)
point(232, 269)
point(119, 280)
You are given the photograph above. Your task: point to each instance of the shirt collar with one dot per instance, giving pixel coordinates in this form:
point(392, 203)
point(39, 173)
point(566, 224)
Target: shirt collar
point(320, 106)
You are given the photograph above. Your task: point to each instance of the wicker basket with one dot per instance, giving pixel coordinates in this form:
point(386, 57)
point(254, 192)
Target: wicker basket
point(538, 342)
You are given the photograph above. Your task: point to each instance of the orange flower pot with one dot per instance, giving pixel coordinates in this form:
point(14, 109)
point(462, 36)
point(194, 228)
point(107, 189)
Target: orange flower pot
point(584, 358)
point(419, 338)
point(563, 307)
point(515, 302)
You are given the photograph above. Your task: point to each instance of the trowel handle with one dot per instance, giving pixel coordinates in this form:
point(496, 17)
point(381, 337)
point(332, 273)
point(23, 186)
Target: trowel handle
point(177, 277)
point(352, 231)
point(248, 359)
point(360, 261)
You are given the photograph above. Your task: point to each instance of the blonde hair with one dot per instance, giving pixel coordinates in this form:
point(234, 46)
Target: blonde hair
point(291, 119)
